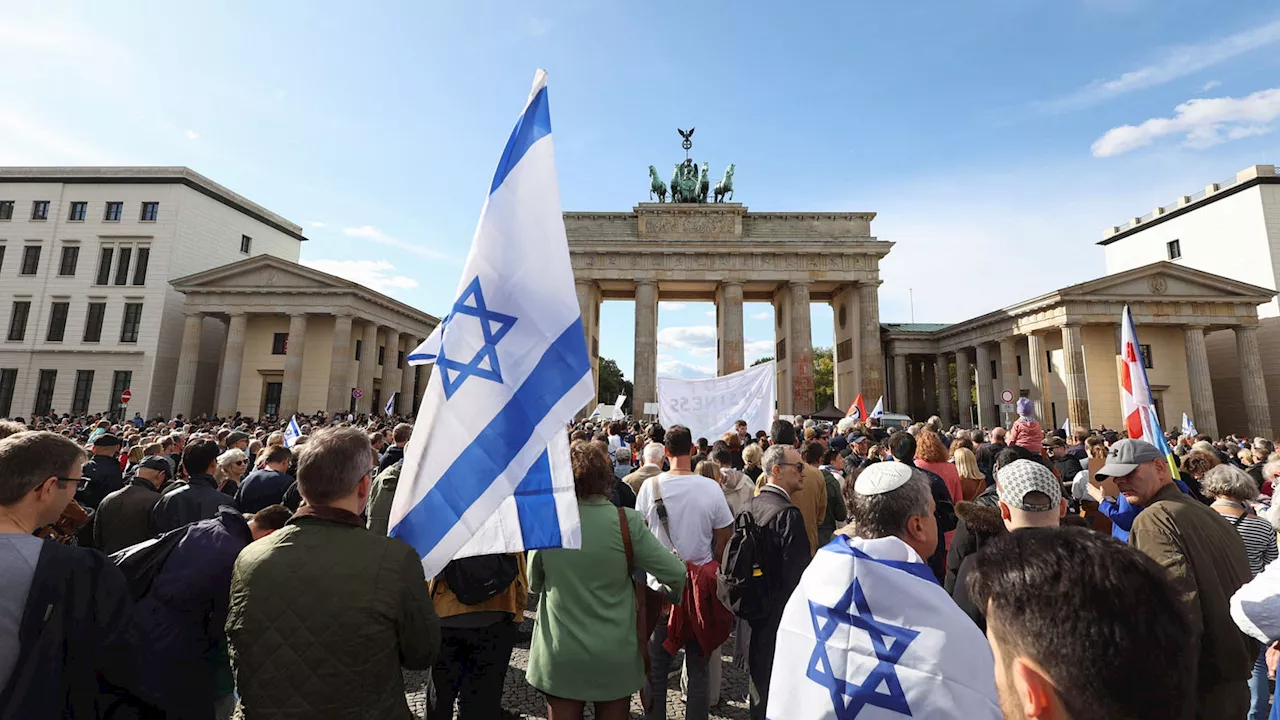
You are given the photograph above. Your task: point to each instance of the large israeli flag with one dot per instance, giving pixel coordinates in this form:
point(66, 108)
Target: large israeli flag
point(869, 633)
point(487, 469)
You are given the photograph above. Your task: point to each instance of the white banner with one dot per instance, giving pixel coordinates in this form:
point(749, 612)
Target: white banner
point(710, 407)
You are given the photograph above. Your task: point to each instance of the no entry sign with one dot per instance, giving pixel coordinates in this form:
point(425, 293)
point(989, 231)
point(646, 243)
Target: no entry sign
point(125, 397)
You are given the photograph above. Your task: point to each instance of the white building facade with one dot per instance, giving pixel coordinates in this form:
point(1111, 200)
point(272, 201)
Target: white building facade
point(87, 310)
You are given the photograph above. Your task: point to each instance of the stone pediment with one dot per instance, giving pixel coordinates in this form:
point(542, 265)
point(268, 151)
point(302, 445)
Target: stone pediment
point(1166, 280)
point(263, 273)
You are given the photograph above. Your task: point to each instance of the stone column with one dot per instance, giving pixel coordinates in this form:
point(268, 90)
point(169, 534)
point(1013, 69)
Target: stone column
point(930, 389)
point(232, 362)
point(872, 360)
point(184, 388)
point(964, 393)
point(1256, 405)
point(901, 404)
point(368, 366)
point(408, 379)
point(645, 382)
point(340, 365)
point(942, 370)
point(731, 354)
point(915, 387)
point(1203, 414)
point(589, 309)
point(1040, 388)
point(982, 371)
point(296, 343)
point(1074, 376)
point(1009, 373)
point(391, 373)
point(800, 350)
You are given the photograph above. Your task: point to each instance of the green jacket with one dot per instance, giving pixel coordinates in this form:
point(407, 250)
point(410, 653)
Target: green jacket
point(381, 493)
point(323, 616)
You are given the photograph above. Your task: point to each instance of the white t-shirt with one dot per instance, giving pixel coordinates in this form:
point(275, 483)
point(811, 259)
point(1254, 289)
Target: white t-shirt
point(695, 508)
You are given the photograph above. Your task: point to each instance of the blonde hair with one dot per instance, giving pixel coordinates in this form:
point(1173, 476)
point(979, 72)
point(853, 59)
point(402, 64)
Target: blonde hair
point(752, 454)
point(225, 460)
point(709, 469)
point(967, 464)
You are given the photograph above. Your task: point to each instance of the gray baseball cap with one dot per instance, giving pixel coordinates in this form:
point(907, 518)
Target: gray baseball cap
point(1023, 477)
point(1125, 456)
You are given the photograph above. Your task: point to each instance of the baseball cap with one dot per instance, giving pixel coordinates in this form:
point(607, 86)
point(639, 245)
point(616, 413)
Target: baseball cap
point(839, 443)
point(235, 437)
point(106, 440)
point(1023, 477)
point(155, 462)
point(1125, 456)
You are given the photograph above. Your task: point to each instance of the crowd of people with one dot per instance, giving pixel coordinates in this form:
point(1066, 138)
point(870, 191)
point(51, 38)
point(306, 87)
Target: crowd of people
point(195, 569)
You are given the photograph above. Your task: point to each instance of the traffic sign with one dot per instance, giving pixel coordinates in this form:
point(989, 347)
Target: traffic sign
point(1007, 408)
point(357, 393)
point(1006, 396)
point(125, 397)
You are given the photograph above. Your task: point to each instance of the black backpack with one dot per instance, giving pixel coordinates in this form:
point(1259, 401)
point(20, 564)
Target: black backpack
point(742, 583)
point(141, 563)
point(476, 579)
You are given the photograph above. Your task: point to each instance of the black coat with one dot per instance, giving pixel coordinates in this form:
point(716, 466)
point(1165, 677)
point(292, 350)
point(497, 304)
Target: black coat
point(104, 477)
point(124, 517)
point(75, 641)
point(979, 522)
point(393, 455)
point(262, 488)
point(787, 552)
point(198, 499)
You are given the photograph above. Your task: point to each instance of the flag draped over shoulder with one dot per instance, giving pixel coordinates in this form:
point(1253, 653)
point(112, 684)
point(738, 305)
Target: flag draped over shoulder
point(869, 633)
point(487, 468)
point(1136, 405)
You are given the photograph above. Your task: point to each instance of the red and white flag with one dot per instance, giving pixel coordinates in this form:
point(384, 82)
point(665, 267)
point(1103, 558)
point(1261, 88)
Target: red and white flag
point(1135, 394)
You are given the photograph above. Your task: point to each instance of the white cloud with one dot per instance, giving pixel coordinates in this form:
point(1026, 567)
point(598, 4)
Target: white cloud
point(670, 367)
point(1178, 62)
point(371, 233)
point(698, 340)
point(1203, 121)
point(763, 315)
point(1210, 85)
point(373, 274)
point(193, 135)
point(671, 305)
point(318, 224)
point(711, 313)
point(756, 349)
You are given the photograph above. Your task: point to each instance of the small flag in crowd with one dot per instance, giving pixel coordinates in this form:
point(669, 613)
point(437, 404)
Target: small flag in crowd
point(1066, 427)
point(487, 468)
point(391, 404)
point(878, 410)
point(1188, 427)
point(858, 410)
point(292, 433)
point(1136, 405)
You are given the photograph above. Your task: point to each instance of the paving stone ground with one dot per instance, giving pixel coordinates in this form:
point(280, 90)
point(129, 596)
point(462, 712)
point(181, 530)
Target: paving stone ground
point(520, 698)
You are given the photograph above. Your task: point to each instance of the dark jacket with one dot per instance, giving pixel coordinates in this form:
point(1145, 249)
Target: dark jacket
point(104, 477)
point(836, 514)
point(622, 495)
point(786, 557)
point(179, 622)
point(262, 488)
point(393, 455)
point(381, 493)
point(75, 640)
point(979, 522)
point(945, 512)
point(198, 499)
point(986, 457)
point(312, 639)
point(124, 516)
point(1067, 468)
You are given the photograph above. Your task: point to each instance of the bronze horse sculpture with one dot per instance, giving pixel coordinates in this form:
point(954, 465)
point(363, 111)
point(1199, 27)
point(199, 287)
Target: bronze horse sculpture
point(725, 186)
point(656, 186)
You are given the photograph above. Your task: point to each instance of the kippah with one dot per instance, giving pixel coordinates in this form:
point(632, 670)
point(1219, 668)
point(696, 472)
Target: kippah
point(882, 477)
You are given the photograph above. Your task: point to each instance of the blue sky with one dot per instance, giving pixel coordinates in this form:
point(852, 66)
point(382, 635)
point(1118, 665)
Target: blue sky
point(995, 140)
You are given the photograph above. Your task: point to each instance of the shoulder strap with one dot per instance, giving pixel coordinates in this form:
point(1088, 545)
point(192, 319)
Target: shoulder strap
point(1239, 519)
point(661, 508)
point(626, 539)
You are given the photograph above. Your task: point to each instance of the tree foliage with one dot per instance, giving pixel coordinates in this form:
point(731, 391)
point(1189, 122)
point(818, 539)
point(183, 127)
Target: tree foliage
point(762, 361)
point(824, 376)
point(613, 384)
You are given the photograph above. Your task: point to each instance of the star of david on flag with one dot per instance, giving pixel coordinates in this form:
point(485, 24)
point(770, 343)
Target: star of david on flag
point(487, 467)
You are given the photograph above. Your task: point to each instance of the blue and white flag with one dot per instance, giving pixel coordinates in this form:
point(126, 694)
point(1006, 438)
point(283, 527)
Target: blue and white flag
point(869, 633)
point(487, 468)
point(878, 410)
point(292, 433)
point(391, 404)
point(1188, 427)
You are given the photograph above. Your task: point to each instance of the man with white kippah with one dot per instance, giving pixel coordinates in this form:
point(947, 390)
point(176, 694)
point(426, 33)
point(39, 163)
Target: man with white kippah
point(869, 624)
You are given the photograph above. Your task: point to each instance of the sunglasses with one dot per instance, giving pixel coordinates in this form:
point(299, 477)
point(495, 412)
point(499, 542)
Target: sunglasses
point(81, 482)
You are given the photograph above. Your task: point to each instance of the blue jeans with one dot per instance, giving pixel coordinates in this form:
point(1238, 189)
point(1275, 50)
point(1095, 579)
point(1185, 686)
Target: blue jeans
point(1260, 690)
point(698, 706)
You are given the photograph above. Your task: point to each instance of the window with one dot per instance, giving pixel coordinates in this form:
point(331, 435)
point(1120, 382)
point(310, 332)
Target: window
point(140, 267)
point(113, 211)
point(77, 212)
point(30, 260)
point(280, 343)
point(359, 345)
point(18, 319)
point(1019, 363)
point(104, 266)
point(1146, 356)
point(70, 256)
point(44, 392)
point(1175, 249)
point(121, 380)
point(400, 360)
point(1048, 360)
point(40, 210)
point(382, 351)
point(995, 370)
point(8, 381)
point(245, 243)
point(149, 211)
point(84, 388)
point(57, 321)
point(6, 213)
point(1, 255)
point(122, 265)
point(131, 322)
point(271, 399)
point(93, 321)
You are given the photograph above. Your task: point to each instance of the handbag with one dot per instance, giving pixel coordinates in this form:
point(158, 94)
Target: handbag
point(648, 609)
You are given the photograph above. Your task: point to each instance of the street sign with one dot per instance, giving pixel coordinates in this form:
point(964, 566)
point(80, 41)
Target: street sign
point(125, 397)
point(1006, 397)
point(1007, 408)
point(357, 393)
point(651, 408)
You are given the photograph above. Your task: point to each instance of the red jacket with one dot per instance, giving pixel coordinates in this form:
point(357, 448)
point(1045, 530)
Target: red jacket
point(699, 615)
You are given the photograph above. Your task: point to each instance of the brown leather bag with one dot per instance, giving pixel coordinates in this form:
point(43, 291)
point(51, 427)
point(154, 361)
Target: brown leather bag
point(648, 610)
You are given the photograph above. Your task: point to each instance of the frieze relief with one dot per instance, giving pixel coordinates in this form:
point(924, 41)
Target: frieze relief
point(682, 225)
point(744, 262)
